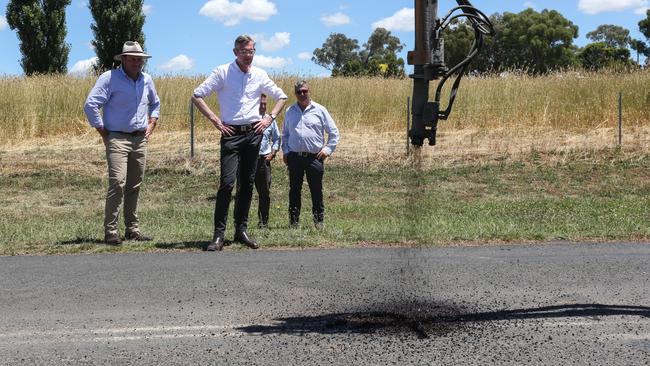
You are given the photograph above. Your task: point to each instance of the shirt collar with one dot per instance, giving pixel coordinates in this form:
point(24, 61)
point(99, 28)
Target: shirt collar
point(140, 76)
point(310, 106)
point(236, 67)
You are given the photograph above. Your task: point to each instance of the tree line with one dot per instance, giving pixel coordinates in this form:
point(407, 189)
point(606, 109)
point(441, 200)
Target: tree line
point(41, 29)
point(529, 41)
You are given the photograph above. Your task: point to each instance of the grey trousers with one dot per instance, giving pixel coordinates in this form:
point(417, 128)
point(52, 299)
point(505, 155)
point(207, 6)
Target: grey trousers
point(263, 186)
point(126, 155)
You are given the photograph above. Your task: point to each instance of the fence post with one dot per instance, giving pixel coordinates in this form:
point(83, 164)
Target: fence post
point(408, 125)
point(191, 130)
point(620, 118)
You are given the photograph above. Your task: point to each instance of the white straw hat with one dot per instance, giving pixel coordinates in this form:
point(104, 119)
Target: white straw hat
point(131, 48)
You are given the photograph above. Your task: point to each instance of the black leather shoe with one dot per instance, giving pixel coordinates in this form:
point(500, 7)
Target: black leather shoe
point(112, 239)
point(137, 236)
point(243, 238)
point(216, 244)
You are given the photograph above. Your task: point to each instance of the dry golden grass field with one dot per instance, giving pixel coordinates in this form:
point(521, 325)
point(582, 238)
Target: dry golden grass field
point(493, 118)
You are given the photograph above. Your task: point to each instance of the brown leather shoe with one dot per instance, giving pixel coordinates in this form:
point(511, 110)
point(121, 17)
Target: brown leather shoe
point(137, 236)
point(319, 225)
point(216, 245)
point(112, 239)
point(243, 238)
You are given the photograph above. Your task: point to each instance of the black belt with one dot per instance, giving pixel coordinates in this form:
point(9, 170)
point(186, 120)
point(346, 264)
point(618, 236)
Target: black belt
point(304, 154)
point(134, 133)
point(242, 128)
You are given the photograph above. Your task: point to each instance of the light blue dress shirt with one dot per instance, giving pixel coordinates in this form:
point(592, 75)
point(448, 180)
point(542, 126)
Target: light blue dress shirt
point(127, 104)
point(303, 131)
point(270, 139)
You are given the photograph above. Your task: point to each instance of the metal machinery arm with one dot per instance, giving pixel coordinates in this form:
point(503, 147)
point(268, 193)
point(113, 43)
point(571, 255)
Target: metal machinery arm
point(428, 59)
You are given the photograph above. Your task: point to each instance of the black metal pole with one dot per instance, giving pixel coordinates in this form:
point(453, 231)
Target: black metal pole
point(426, 15)
point(408, 125)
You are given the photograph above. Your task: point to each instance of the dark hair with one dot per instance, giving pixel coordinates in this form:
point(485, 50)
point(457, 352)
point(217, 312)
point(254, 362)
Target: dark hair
point(243, 39)
point(299, 84)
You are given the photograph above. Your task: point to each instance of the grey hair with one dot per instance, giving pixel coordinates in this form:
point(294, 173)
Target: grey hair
point(243, 40)
point(299, 84)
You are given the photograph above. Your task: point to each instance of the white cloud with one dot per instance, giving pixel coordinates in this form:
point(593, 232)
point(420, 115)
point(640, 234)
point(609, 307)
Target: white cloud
point(600, 6)
point(147, 9)
point(277, 41)
point(270, 62)
point(178, 63)
point(335, 19)
point(83, 67)
point(403, 20)
point(3, 23)
point(83, 4)
point(305, 56)
point(232, 13)
point(642, 10)
point(530, 4)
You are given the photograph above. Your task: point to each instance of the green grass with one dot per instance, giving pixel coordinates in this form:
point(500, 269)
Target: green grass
point(603, 195)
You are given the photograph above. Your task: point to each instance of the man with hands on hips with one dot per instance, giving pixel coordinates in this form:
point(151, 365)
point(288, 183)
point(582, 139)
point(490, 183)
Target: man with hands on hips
point(239, 86)
point(130, 110)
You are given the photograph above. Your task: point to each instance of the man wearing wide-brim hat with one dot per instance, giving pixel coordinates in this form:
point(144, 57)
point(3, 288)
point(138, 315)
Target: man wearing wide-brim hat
point(131, 108)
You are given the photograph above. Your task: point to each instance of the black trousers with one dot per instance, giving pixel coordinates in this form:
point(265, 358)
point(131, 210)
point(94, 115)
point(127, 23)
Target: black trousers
point(238, 163)
point(263, 186)
point(313, 168)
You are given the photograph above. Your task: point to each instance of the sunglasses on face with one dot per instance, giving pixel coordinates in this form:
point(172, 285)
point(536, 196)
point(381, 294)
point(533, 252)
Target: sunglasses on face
point(302, 92)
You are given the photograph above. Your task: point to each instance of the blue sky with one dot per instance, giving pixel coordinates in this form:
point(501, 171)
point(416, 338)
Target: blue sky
point(193, 36)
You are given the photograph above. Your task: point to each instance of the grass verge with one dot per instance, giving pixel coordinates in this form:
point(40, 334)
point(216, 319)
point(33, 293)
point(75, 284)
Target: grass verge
point(51, 201)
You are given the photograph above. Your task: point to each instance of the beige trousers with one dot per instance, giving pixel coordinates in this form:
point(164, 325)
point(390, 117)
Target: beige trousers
point(126, 155)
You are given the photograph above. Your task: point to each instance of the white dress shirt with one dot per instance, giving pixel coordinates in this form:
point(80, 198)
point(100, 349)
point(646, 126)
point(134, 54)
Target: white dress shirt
point(239, 92)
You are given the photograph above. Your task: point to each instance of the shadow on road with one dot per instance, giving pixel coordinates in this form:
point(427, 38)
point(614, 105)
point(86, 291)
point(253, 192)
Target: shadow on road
point(432, 324)
point(183, 245)
point(80, 240)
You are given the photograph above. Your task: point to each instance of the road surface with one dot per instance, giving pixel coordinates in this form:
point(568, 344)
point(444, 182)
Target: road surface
point(548, 304)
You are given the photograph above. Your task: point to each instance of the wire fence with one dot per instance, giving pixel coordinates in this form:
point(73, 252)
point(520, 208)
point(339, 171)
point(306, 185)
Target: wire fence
point(50, 107)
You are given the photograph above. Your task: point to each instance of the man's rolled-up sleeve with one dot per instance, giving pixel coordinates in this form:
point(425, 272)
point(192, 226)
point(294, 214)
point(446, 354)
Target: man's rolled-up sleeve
point(96, 99)
point(208, 86)
point(332, 133)
point(271, 89)
point(154, 101)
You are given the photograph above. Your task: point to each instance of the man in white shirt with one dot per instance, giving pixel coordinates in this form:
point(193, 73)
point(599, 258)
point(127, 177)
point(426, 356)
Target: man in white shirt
point(304, 151)
point(238, 86)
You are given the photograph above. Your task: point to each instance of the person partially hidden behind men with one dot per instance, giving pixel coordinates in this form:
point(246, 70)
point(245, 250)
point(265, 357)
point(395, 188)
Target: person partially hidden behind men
point(304, 151)
point(131, 109)
point(268, 149)
point(239, 86)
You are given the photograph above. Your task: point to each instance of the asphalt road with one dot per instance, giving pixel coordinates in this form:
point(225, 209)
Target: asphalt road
point(553, 304)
